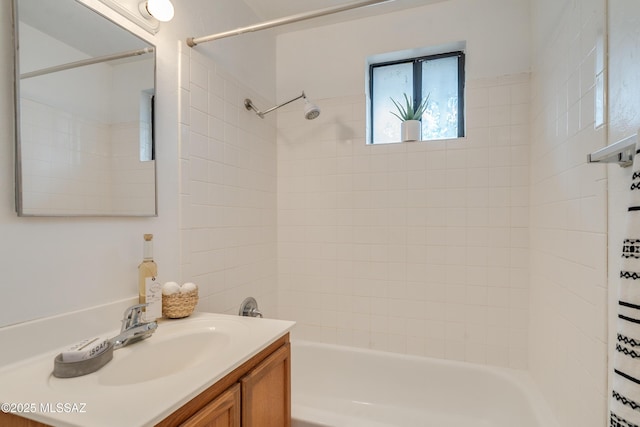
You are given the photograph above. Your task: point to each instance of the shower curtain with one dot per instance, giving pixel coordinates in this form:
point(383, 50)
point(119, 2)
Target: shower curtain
point(625, 396)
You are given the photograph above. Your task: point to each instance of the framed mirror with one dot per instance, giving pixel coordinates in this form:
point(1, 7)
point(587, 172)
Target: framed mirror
point(84, 113)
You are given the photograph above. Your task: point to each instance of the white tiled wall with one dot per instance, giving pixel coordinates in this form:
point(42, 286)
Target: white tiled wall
point(227, 189)
point(76, 165)
point(568, 322)
point(132, 181)
point(66, 161)
point(418, 248)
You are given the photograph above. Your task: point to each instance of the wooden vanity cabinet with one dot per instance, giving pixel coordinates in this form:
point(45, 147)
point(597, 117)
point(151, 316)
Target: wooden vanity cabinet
point(257, 394)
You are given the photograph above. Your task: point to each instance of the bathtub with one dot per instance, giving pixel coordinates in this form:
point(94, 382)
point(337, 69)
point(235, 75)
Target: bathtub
point(335, 386)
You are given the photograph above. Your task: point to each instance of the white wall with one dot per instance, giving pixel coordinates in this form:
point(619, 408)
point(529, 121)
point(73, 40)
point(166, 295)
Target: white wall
point(60, 175)
point(415, 248)
point(89, 99)
point(132, 180)
point(129, 80)
point(568, 321)
point(329, 61)
point(55, 265)
point(228, 189)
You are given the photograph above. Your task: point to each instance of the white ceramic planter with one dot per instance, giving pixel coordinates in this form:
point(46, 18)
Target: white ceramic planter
point(410, 130)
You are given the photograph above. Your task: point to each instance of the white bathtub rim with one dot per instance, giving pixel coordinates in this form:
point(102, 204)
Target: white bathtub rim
point(521, 379)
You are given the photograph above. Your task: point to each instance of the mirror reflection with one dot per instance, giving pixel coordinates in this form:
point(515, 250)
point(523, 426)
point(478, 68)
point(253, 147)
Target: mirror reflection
point(84, 107)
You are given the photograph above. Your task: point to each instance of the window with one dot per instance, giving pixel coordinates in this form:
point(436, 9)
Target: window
point(147, 136)
point(440, 77)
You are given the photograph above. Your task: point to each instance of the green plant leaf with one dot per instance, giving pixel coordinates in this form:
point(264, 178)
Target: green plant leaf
point(402, 113)
point(409, 102)
point(407, 112)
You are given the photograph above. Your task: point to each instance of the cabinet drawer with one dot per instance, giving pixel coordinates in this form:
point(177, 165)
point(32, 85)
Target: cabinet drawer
point(223, 411)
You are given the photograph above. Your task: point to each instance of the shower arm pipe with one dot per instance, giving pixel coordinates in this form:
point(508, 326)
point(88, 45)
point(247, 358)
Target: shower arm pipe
point(84, 62)
point(249, 105)
point(193, 41)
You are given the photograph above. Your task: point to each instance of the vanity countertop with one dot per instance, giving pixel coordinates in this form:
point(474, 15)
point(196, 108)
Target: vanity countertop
point(146, 381)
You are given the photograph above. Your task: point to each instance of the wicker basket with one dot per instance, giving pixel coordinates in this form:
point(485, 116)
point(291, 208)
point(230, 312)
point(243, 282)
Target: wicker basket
point(179, 305)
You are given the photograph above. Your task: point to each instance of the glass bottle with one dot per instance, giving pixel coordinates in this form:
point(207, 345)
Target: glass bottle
point(148, 286)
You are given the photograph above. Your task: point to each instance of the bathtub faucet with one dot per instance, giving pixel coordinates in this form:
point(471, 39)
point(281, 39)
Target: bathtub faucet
point(249, 308)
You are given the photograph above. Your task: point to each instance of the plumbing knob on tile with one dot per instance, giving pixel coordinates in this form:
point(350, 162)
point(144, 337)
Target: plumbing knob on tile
point(249, 308)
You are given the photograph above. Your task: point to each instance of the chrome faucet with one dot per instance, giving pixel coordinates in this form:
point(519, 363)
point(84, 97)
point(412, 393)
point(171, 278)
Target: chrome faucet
point(133, 328)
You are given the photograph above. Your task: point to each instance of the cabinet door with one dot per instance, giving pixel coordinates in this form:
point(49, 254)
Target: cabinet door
point(223, 411)
point(266, 392)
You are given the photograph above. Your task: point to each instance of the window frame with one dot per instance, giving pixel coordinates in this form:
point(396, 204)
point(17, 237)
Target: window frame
point(417, 85)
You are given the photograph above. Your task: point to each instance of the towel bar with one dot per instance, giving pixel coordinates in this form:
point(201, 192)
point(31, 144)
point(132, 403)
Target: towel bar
point(621, 152)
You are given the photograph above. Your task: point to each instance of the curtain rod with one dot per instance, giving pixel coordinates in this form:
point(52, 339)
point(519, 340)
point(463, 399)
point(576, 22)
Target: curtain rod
point(84, 62)
point(193, 41)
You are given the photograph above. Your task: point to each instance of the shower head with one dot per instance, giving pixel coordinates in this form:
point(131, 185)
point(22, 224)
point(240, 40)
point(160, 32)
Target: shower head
point(311, 111)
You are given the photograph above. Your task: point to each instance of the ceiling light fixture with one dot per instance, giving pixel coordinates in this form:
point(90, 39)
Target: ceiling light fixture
point(162, 10)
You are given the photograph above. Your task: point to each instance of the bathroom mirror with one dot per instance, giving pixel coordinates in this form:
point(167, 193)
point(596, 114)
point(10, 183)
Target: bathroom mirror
point(84, 113)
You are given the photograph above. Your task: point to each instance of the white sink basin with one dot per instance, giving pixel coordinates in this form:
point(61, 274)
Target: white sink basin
point(152, 359)
point(176, 346)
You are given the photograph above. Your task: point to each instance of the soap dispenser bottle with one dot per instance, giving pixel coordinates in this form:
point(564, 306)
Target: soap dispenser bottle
point(149, 288)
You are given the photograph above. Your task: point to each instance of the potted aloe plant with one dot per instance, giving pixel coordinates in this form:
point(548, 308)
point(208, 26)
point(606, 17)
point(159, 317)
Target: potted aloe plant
point(410, 126)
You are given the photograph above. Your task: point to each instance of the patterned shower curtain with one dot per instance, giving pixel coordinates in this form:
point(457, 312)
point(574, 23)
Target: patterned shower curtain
point(625, 396)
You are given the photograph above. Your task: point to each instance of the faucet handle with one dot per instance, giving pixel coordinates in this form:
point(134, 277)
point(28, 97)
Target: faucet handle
point(249, 308)
point(132, 316)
